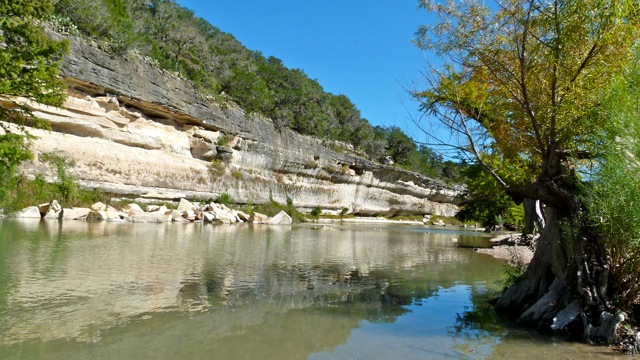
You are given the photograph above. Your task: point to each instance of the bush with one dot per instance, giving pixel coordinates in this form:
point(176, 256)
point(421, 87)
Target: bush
point(217, 167)
point(225, 199)
point(316, 212)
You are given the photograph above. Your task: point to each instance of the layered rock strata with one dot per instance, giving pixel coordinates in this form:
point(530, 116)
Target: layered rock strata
point(130, 128)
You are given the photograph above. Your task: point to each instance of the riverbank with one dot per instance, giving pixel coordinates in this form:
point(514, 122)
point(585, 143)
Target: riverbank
point(509, 247)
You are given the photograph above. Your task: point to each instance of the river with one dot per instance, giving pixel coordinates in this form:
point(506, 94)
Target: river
point(83, 290)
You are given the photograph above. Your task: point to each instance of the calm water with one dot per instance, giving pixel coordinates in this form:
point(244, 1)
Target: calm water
point(78, 290)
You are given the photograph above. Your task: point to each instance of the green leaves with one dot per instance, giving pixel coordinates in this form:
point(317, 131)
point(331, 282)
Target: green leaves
point(29, 60)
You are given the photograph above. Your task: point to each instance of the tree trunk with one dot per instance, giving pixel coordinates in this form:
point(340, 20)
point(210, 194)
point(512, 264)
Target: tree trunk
point(545, 266)
point(564, 288)
point(532, 223)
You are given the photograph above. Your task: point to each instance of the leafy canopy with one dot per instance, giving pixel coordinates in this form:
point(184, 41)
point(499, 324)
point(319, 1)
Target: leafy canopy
point(525, 78)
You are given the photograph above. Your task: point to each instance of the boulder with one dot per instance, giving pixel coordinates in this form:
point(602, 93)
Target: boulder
point(225, 217)
point(132, 208)
point(43, 208)
point(257, 218)
point(176, 216)
point(209, 155)
point(75, 213)
point(51, 210)
point(185, 205)
point(111, 216)
point(99, 207)
point(31, 212)
point(199, 147)
point(52, 214)
point(189, 215)
point(282, 218)
point(152, 217)
point(156, 209)
point(175, 213)
point(208, 217)
point(55, 206)
point(242, 216)
point(224, 150)
point(223, 220)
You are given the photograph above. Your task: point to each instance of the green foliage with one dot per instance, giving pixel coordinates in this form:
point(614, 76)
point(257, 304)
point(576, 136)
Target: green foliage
point(225, 199)
point(29, 60)
point(224, 140)
point(486, 202)
point(615, 192)
point(316, 212)
point(521, 80)
point(13, 151)
point(249, 208)
point(29, 63)
point(237, 174)
point(217, 167)
point(26, 192)
point(399, 145)
point(66, 187)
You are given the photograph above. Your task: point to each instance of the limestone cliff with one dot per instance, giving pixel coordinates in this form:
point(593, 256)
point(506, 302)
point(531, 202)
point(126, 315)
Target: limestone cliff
point(133, 129)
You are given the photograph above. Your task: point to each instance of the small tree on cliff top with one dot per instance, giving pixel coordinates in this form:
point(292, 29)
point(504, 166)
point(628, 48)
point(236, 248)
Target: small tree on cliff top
point(524, 81)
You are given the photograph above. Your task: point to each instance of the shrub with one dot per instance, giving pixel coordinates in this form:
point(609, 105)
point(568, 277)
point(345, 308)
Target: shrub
point(225, 199)
point(316, 212)
point(236, 174)
point(224, 140)
point(217, 167)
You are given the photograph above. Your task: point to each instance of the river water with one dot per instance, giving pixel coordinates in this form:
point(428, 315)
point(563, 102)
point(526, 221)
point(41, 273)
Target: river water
point(79, 290)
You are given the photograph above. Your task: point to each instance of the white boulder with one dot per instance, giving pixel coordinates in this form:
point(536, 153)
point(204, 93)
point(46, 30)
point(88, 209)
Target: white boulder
point(282, 218)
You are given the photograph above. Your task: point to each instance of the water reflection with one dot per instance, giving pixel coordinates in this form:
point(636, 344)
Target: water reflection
point(104, 290)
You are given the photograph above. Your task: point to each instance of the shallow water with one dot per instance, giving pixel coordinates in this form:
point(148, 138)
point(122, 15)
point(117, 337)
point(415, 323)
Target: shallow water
point(77, 290)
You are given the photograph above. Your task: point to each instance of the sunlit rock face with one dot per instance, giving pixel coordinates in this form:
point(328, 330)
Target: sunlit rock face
point(133, 129)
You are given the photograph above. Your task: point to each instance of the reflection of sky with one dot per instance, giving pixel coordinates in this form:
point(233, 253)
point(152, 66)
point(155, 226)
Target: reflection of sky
point(424, 332)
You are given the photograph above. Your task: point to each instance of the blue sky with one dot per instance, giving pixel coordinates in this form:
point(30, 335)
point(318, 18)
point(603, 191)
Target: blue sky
point(359, 48)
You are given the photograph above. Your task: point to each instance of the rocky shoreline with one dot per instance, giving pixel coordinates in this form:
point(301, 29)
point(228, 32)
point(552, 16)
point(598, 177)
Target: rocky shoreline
point(186, 212)
point(512, 247)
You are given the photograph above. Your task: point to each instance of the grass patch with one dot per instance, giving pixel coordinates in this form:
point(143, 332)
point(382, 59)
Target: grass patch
point(225, 199)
